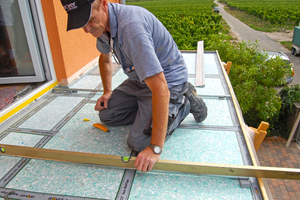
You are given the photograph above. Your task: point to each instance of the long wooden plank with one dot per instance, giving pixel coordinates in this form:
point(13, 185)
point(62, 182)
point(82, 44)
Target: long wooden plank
point(161, 165)
point(200, 75)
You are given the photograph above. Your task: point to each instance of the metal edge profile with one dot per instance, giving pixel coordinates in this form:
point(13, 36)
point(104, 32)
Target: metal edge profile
point(262, 183)
point(254, 185)
point(200, 75)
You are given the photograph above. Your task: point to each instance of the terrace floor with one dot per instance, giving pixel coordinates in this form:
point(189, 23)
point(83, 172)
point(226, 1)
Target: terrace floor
point(56, 122)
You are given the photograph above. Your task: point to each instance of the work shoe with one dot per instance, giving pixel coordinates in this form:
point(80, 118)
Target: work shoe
point(198, 107)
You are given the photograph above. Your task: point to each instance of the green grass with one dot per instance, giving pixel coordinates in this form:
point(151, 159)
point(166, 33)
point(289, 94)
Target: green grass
point(287, 44)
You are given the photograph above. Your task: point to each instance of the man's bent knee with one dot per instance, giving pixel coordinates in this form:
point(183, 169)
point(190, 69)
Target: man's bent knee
point(115, 118)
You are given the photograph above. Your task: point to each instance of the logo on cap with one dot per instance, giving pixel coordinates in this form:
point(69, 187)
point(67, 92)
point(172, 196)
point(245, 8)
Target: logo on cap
point(70, 6)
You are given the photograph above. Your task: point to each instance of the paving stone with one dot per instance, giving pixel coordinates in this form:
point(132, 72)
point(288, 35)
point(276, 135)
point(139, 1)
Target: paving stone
point(274, 153)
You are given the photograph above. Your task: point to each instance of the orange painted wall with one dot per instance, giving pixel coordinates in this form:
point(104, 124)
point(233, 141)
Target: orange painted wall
point(70, 50)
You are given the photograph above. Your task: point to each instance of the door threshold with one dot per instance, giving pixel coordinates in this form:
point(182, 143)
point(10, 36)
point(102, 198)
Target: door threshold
point(26, 99)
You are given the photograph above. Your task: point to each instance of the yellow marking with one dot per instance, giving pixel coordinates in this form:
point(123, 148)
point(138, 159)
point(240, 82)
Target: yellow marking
point(24, 104)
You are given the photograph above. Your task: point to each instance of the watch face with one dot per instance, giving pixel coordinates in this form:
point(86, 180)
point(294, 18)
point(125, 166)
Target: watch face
point(156, 150)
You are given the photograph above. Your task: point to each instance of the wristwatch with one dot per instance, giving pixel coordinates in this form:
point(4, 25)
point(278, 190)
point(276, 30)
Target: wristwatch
point(156, 149)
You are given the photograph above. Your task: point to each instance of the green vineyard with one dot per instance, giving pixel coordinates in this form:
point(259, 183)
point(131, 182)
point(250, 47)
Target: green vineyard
point(188, 21)
point(281, 12)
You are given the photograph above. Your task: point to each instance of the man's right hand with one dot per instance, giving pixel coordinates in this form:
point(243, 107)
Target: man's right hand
point(102, 102)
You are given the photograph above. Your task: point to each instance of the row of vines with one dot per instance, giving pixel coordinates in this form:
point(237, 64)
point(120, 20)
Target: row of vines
point(188, 21)
point(281, 12)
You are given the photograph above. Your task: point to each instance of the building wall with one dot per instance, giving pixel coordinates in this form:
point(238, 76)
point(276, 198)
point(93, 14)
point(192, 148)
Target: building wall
point(72, 51)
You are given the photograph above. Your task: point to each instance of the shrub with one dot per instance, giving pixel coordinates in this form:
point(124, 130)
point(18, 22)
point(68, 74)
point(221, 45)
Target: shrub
point(253, 77)
point(279, 125)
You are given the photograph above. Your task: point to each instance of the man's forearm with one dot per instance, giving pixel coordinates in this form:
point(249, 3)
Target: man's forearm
point(160, 110)
point(160, 107)
point(105, 67)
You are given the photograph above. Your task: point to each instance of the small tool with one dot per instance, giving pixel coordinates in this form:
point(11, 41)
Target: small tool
point(100, 126)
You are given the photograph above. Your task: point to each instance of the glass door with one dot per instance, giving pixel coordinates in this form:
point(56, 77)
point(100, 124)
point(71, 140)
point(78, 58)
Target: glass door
point(20, 59)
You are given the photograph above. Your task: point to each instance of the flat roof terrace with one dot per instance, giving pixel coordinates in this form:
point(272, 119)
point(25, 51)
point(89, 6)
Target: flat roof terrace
point(56, 122)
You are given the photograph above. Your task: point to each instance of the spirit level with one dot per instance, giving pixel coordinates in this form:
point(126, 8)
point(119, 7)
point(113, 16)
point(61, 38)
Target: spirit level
point(161, 165)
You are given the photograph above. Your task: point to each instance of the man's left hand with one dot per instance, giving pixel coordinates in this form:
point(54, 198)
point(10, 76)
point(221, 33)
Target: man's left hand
point(145, 160)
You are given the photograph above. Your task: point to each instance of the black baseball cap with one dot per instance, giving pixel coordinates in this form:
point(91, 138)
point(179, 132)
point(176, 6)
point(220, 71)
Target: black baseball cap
point(79, 12)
